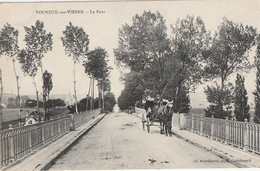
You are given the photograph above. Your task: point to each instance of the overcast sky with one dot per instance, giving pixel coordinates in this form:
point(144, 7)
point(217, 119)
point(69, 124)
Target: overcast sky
point(103, 29)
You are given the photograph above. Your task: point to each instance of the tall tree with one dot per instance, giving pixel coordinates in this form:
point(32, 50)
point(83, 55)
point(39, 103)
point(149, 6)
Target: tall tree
point(217, 108)
point(28, 61)
point(39, 42)
point(144, 47)
point(241, 100)
point(97, 66)
point(229, 52)
point(76, 41)
point(190, 40)
point(47, 86)
point(257, 96)
point(9, 47)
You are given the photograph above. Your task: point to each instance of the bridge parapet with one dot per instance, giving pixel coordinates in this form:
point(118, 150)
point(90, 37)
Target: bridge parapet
point(240, 134)
point(20, 141)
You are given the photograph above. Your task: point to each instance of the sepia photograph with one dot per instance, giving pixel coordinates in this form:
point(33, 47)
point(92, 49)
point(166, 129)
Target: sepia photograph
point(130, 85)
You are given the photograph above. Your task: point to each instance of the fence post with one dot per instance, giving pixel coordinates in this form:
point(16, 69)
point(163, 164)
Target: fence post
point(72, 124)
point(201, 124)
point(212, 127)
point(42, 127)
point(11, 135)
point(245, 136)
point(192, 123)
point(226, 130)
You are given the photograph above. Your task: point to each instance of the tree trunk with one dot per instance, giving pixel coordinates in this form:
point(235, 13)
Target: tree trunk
point(37, 95)
point(43, 97)
point(18, 91)
point(99, 95)
point(221, 95)
point(75, 93)
point(88, 97)
point(103, 100)
point(1, 94)
point(93, 99)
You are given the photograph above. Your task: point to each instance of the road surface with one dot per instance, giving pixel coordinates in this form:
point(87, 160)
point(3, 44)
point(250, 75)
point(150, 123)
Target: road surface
point(118, 142)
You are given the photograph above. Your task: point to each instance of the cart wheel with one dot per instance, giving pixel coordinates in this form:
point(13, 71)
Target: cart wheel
point(148, 125)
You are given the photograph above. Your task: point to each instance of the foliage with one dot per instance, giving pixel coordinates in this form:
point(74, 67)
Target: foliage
point(82, 105)
point(229, 50)
point(257, 96)
point(241, 100)
point(190, 41)
point(144, 47)
point(110, 101)
point(76, 41)
point(96, 64)
point(9, 41)
point(37, 41)
point(31, 103)
point(220, 101)
point(55, 103)
point(229, 53)
point(182, 103)
point(47, 87)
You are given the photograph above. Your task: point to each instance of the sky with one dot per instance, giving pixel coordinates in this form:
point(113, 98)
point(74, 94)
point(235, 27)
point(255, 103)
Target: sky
point(102, 28)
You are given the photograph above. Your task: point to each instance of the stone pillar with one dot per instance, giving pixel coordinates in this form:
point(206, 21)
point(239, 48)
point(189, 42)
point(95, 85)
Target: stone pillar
point(201, 124)
point(192, 123)
point(246, 137)
point(212, 127)
point(227, 131)
point(182, 120)
point(72, 124)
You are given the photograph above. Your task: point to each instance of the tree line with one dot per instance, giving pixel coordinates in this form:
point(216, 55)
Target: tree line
point(38, 41)
point(173, 63)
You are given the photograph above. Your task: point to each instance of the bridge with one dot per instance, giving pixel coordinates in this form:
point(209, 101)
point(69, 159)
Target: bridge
point(95, 140)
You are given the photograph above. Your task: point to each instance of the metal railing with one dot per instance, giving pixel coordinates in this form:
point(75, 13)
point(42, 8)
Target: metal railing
point(240, 134)
point(17, 142)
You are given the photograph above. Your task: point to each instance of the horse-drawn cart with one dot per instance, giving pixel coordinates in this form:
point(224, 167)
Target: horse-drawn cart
point(158, 113)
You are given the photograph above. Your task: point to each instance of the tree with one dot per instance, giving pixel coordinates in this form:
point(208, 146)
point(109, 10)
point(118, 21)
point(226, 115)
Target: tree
point(217, 108)
point(110, 101)
point(229, 53)
point(97, 66)
point(133, 91)
point(27, 59)
point(257, 96)
point(39, 42)
point(190, 41)
point(47, 86)
point(30, 103)
point(9, 47)
point(241, 100)
point(144, 48)
point(75, 40)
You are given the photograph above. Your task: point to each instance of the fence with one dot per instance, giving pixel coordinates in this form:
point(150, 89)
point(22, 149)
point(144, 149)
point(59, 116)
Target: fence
point(17, 142)
point(240, 134)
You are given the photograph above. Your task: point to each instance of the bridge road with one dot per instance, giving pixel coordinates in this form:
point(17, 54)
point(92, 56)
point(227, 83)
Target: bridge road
point(118, 142)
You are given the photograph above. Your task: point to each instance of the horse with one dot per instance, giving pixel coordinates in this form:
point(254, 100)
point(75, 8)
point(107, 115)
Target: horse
point(165, 118)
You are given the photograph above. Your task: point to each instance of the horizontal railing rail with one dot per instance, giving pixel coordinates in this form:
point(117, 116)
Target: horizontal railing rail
point(17, 142)
point(240, 134)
